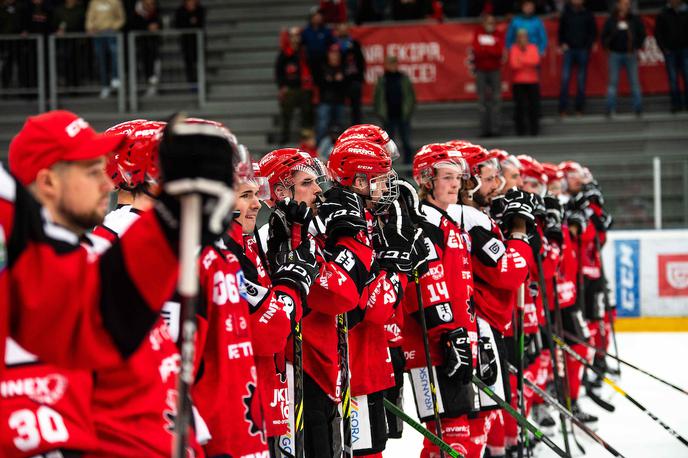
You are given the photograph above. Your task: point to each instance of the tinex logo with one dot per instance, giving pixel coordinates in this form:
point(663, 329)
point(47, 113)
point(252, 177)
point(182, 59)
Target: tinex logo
point(43, 390)
point(75, 127)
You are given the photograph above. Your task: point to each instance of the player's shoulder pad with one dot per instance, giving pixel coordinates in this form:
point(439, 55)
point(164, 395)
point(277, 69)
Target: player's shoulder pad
point(263, 237)
point(432, 215)
point(8, 186)
point(473, 217)
point(121, 219)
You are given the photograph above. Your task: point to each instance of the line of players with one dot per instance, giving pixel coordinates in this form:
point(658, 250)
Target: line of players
point(345, 238)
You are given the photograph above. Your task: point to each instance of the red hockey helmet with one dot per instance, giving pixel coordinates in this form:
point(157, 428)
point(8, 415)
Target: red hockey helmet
point(552, 171)
point(133, 166)
point(458, 143)
point(371, 133)
point(569, 167)
point(476, 156)
point(533, 172)
point(351, 159)
point(279, 166)
point(438, 155)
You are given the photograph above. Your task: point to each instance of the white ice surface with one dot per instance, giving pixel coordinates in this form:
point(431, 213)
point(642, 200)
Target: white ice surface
point(629, 430)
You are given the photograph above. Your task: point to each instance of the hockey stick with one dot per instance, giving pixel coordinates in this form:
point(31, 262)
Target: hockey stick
point(412, 205)
point(428, 360)
point(559, 328)
point(297, 340)
point(616, 388)
point(632, 366)
point(187, 287)
point(520, 419)
point(343, 347)
point(607, 305)
point(589, 390)
point(560, 389)
point(520, 344)
point(566, 412)
point(444, 447)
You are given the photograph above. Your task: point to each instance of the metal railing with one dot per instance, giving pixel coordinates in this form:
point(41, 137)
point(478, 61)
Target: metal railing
point(81, 64)
point(160, 75)
point(22, 63)
point(80, 54)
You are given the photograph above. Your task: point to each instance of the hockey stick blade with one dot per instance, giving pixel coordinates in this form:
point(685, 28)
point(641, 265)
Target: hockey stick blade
point(424, 431)
point(594, 397)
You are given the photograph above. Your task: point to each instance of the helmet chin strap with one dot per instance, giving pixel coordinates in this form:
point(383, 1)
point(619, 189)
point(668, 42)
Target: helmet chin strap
point(471, 192)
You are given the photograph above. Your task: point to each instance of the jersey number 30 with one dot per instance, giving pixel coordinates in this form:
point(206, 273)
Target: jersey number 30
point(31, 426)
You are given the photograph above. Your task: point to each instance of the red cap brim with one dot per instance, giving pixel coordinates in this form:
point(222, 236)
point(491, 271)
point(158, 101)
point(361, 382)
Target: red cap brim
point(100, 145)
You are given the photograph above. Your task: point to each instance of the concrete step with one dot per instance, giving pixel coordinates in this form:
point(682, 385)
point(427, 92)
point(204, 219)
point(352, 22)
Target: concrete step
point(233, 14)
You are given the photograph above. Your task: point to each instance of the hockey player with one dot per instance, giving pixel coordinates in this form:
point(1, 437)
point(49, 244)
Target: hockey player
point(364, 170)
point(496, 281)
point(144, 388)
point(74, 311)
point(371, 133)
point(447, 302)
point(275, 297)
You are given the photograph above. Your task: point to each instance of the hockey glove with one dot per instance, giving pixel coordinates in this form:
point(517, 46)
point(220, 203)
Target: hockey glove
point(286, 215)
point(420, 253)
point(497, 208)
point(602, 223)
point(553, 219)
point(539, 211)
point(487, 358)
point(393, 242)
point(577, 218)
point(409, 196)
point(518, 204)
point(297, 268)
point(196, 159)
point(342, 214)
point(458, 360)
point(485, 246)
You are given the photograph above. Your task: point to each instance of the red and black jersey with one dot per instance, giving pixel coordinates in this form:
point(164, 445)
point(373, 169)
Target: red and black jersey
point(226, 390)
point(567, 274)
point(72, 307)
point(446, 289)
point(43, 407)
point(496, 287)
point(135, 402)
point(270, 308)
point(344, 272)
point(371, 363)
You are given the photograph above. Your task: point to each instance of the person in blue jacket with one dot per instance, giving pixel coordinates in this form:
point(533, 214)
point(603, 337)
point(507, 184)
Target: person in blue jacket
point(530, 22)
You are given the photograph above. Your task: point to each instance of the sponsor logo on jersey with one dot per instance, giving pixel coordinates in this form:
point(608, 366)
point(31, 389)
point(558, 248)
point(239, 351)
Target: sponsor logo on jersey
point(239, 350)
point(44, 390)
point(436, 272)
point(252, 412)
point(444, 312)
point(170, 366)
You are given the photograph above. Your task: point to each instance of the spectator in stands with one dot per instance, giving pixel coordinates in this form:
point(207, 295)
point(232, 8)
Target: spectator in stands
point(104, 18)
point(37, 18)
point(488, 55)
point(316, 37)
point(577, 34)
point(333, 11)
point(410, 10)
point(332, 84)
point(394, 101)
point(11, 52)
point(354, 70)
point(531, 24)
point(190, 15)
point(146, 18)
point(524, 60)
point(327, 143)
point(671, 32)
point(307, 142)
point(70, 18)
point(623, 35)
point(295, 83)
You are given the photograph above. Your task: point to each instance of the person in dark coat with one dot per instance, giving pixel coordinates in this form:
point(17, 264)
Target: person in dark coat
point(623, 35)
point(316, 37)
point(146, 17)
point(73, 54)
point(671, 33)
point(332, 84)
point(577, 34)
point(190, 15)
point(354, 70)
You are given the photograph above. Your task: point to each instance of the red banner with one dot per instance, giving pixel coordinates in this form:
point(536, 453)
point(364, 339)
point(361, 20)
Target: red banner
point(673, 274)
point(437, 57)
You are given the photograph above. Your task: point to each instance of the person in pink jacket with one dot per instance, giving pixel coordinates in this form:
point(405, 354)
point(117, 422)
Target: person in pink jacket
point(524, 61)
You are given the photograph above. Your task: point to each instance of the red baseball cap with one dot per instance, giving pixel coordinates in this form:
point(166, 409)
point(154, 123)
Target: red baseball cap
point(52, 137)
